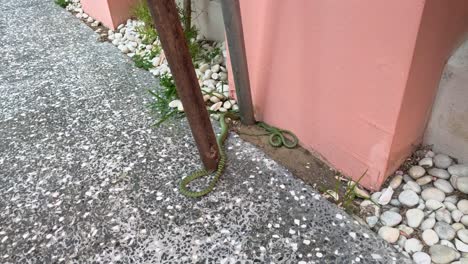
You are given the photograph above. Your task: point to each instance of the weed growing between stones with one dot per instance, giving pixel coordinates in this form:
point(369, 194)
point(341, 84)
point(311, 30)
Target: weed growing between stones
point(163, 97)
point(61, 3)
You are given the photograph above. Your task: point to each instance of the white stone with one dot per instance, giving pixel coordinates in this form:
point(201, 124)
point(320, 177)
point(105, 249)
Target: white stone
point(175, 103)
point(464, 220)
point(444, 231)
point(96, 23)
point(457, 215)
point(209, 83)
point(412, 185)
point(180, 108)
point(223, 76)
point(220, 96)
point(428, 223)
point(463, 235)
point(123, 49)
point(206, 97)
point(430, 154)
point(401, 241)
point(413, 245)
point(450, 206)
point(116, 42)
point(204, 67)
point(207, 90)
point(414, 217)
point(214, 99)
point(386, 196)
point(447, 243)
point(462, 184)
point(451, 199)
point(218, 59)
point(395, 202)
point(118, 36)
point(416, 172)
point(430, 237)
point(406, 229)
point(462, 205)
point(442, 161)
point(421, 258)
point(458, 226)
point(227, 105)
point(439, 173)
point(215, 68)
point(434, 205)
point(433, 193)
point(235, 107)
point(426, 162)
point(396, 181)
point(207, 75)
point(453, 180)
point(214, 76)
point(443, 215)
point(444, 186)
point(424, 180)
point(461, 246)
point(442, 254)
point(459, 169)
point(408, 198)
point(84, 15)
point(372, 220)
point(216, 106)
point(390, 218)
point(389, 234)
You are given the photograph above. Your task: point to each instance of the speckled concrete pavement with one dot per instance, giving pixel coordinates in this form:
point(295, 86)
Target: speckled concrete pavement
point(83, 177)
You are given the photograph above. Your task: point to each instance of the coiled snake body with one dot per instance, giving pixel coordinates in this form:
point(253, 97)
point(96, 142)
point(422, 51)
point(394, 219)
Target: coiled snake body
point(277, 139)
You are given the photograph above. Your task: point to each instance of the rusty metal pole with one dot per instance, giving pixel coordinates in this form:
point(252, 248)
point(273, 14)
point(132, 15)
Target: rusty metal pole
point(235, 40)
point(167, 22)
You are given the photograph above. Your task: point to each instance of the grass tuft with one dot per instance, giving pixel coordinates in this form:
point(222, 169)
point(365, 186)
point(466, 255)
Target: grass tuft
point(61, 3)
point(163, 97)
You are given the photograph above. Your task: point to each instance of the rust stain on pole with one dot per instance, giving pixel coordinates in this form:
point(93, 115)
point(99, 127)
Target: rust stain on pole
point(168, 25)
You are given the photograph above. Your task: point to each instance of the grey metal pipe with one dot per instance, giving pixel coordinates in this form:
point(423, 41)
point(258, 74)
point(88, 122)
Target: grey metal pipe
point(235, 39)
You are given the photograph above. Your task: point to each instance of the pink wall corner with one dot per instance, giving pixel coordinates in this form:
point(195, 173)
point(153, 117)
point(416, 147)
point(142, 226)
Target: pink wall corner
point(334, 73)
point(110, 13)
point(443, 27)
point(98, 9)
point(121, 10)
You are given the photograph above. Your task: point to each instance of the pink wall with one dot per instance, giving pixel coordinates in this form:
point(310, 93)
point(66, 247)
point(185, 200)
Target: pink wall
point(111, 13)
point(443, 28)
point(337, 73)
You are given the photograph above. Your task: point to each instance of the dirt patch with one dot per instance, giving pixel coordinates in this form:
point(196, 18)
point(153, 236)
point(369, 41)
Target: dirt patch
point(299, 161)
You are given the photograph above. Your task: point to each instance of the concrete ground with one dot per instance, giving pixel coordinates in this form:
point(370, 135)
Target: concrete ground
point(85, 179)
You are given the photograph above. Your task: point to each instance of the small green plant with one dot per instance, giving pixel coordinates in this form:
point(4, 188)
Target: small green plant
point(210, 55)
point(62, 3)
point(142, 62)
point(148, 34)
point(163, 97)
point(155, 51)
point(350, 193)
point(141, 11)
point(147, 31)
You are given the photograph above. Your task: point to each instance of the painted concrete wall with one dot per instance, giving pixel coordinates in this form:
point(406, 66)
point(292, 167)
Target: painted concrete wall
point(448, 126)
point(346, 76)
point(111, 13)
point(208, 18)
point(443, 27)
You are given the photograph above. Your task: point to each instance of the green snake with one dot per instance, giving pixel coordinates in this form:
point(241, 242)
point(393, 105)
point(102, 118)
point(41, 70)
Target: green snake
point(277, 139)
